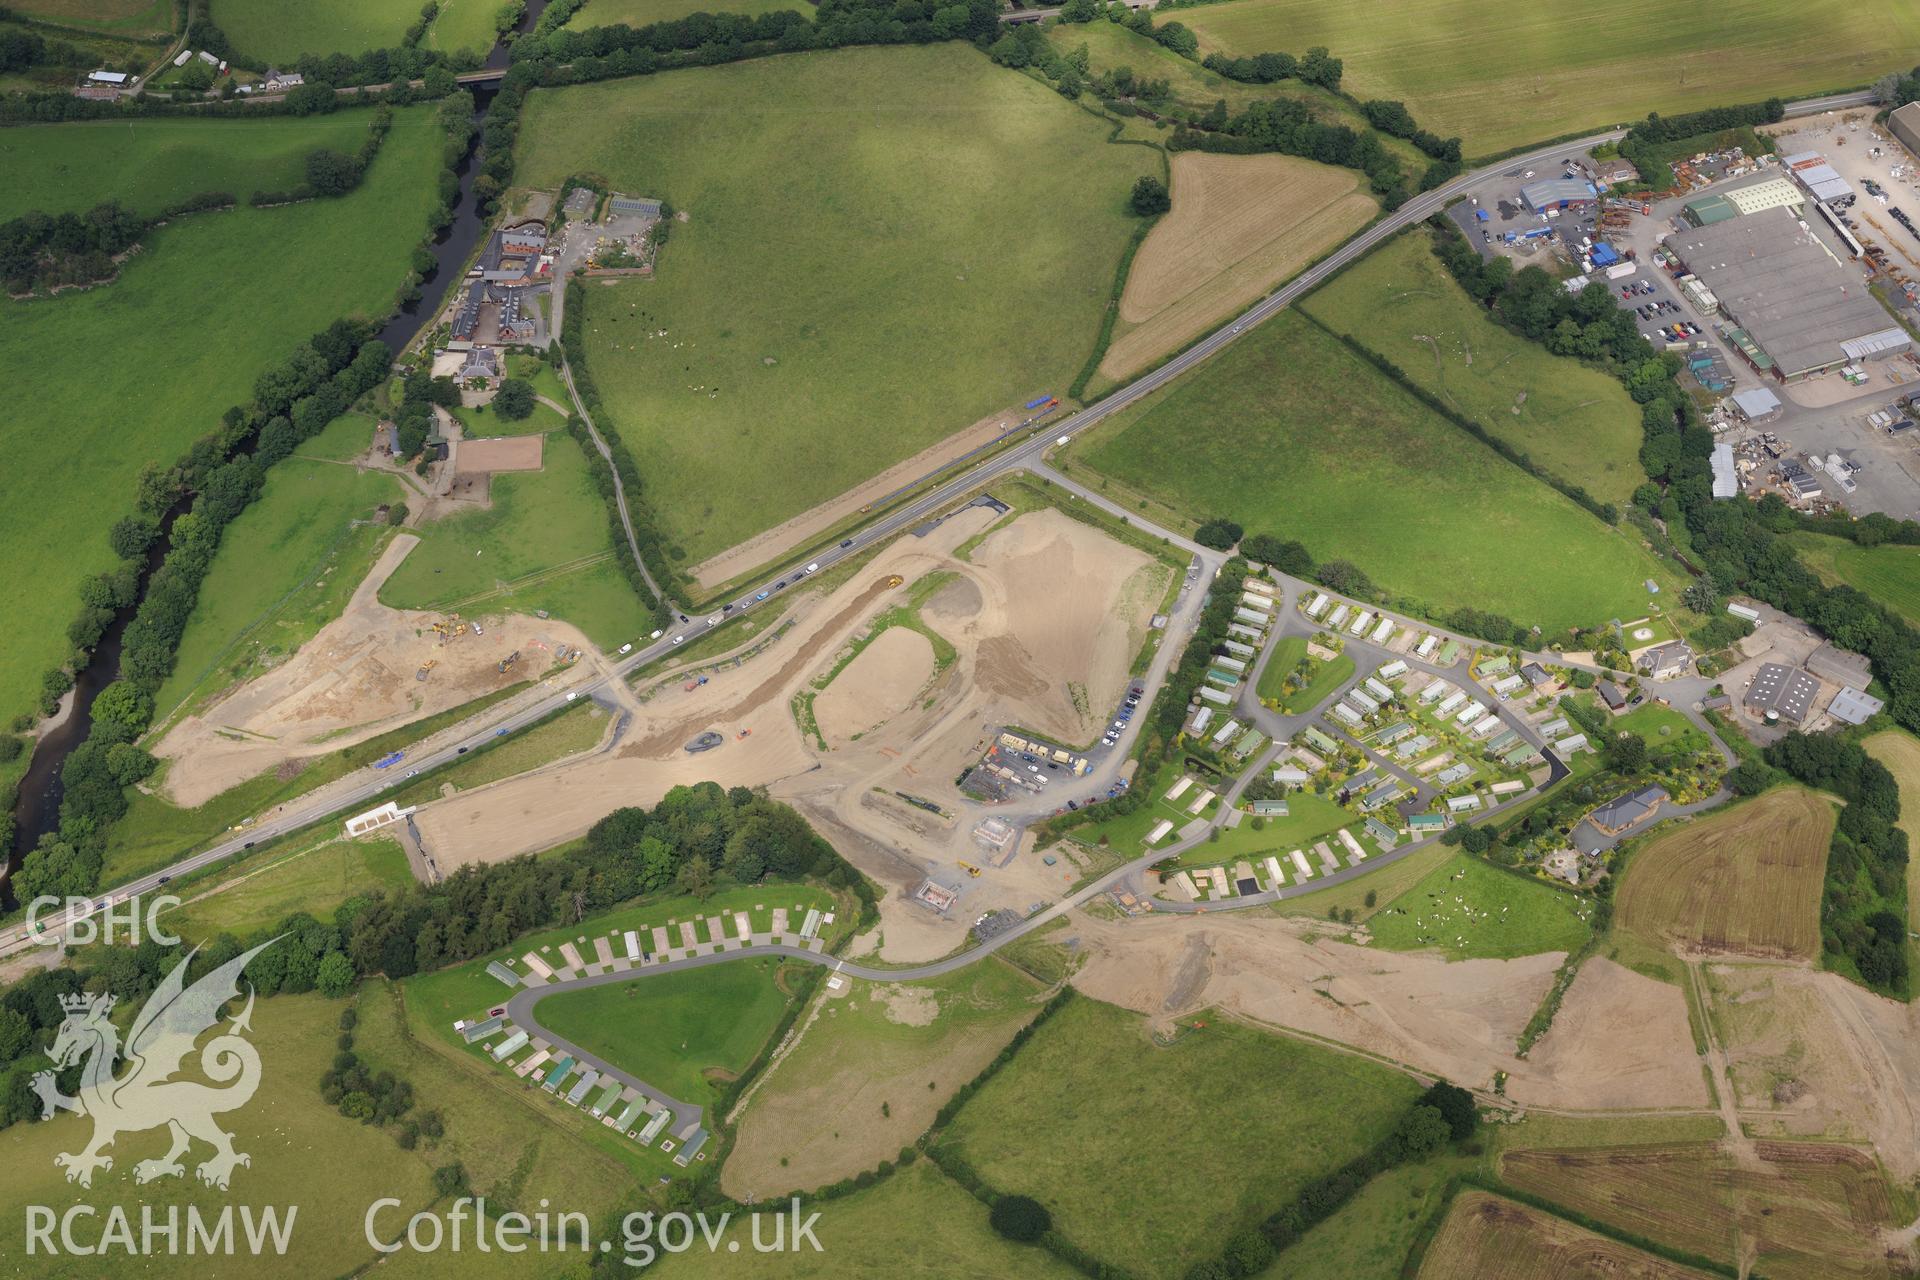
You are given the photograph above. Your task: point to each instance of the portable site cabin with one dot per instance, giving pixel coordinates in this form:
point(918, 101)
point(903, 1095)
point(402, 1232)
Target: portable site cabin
point(1338, 616)
point(1392, 670)
point(812, 925)
point(1426, 647)
point(1554, 727)
point(1318, 605)
point(1274, 878)
point(1251, 617)
point(630, 1113)
point(1216, 696)
point(1179, 788)
point(480, 1030)
point(1346, 713)
point(1236, 665)
point(499, 971)
point(580, 1086)
point(1505, 687)
point(1378, 690)
point(1463, 804)
point(653, 1126)
point(1299, 859)
point(1450, 703)
point(1198, 724)
point(1200, 802)
point(1363, 701)
point(608, 1096)
point(1578, 742)
point(1451, 774)
point(1360, 623)
point(557, 1074)
point(1471, 712)
point(1382, 632)
point(1225, 731)
point(1486, 727)
point(1254, 600)
point(1160, 830)
point(511, 1044)
point(1237, 649)
point(1439, 688)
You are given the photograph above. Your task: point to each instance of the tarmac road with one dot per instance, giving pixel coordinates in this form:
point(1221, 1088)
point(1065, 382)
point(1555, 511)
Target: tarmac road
point(1021, 457)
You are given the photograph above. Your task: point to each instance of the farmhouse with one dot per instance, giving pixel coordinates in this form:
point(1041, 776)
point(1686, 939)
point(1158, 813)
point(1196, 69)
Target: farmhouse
point(1617, 815)
point(1536, 675)
point(1780, 692)
point(1803, 309)
point(1667, 661)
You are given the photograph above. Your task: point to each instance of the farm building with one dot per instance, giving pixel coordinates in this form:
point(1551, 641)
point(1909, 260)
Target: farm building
point(1801, 306)
point(111, 79)
point(1837, 666)
point(1850, 706)
point(633, 207)
point(1780, 692)
point(1667, 661)
point(1617, 815)
point(1726, 479)
point(1708, 210)
point(1550, 194)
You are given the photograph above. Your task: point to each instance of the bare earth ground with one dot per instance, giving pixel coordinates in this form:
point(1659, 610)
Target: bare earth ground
point(1459, 1020)
point(1619, 1040)
point(1046, 606)
point(876, 686)
point(507, 453)
point(800, 530)
point(801, 1135)
point(352, 681)
point(1240, 225)
point(1812, 1055)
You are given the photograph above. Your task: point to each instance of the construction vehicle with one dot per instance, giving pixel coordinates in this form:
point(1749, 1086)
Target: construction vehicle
point(691, 685)
point(744, 733)
point(970, 869)
point(425, 667)
point(895, 580)
point(502, 665)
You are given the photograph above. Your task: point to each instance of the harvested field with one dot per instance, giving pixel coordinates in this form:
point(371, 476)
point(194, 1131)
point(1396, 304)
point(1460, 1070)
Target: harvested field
point(1811, 1055)
point(356, 678)
point(505, 453)
point(1240, 225)
point(1620, 1040)
point(1487, 1237)
point(1744, 880)
point(878, 684)
point(1799, 1212)
point(872, 1065)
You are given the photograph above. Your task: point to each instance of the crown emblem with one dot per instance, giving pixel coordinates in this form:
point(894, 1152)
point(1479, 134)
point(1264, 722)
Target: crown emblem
point(81, 1002)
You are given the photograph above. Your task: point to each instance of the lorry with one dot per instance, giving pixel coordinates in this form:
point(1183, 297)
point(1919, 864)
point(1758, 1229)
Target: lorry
point(387, 762)
point(691, 685)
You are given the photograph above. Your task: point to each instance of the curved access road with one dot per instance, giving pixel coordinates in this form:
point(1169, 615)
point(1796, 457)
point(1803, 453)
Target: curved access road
point(371, 784)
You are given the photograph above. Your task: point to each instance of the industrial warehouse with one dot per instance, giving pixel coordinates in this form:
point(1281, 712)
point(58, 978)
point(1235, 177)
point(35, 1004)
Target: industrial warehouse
point(1804, 309)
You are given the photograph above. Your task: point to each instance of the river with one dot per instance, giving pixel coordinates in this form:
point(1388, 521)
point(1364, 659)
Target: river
point(37, 810)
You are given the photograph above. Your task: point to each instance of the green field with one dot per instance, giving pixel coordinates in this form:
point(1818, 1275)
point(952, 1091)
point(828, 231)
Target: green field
point(1175, 1148)
point(927, 274)
point(309, 879)
point(1577, 422)
point(136, 370)
point(120, 17)
point(543, 543)
point(438, 998)
point(1325, 678)
point(687, 1033)
point(1469, 910)
point(303, 1153)
point(1533, 75)
point(286, 568)
point(1372, 1234)
point(279, 32)
point(640, 13)
point(1309, 817)
point(149, 164)
point(1290, 433)
point(1888, 573)
point(917, 1225)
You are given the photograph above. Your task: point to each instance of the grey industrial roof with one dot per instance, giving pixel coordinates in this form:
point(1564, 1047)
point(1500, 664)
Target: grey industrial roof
point(1783, 286)
point(1726, 480)
point(1629, 809)
point(1854, 707)
point(1783, 689)
point(1756, 402)
point(1554, 190)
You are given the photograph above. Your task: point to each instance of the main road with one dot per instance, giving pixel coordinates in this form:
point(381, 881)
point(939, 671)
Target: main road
point(914, 512)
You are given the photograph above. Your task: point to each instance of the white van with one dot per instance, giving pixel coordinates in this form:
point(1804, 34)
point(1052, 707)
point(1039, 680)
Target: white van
point(815, 565)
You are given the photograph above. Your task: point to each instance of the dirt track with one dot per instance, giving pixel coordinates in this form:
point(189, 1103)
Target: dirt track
point(354, 680)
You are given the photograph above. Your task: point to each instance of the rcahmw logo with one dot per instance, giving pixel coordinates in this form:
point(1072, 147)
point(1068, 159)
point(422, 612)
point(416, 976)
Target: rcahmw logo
point(146, 1096)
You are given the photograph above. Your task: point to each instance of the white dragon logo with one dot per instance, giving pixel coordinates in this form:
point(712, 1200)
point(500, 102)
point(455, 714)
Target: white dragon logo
point(147, 1096)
